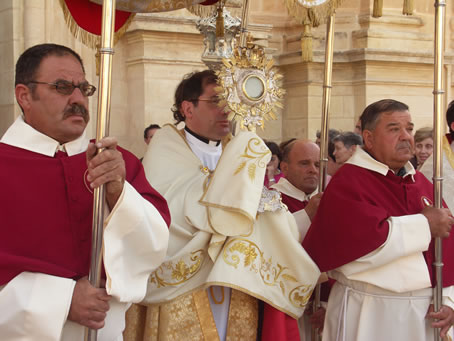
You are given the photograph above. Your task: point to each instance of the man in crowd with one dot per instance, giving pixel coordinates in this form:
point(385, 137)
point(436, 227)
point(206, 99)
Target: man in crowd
point(374, 232)
point(448, 161)
point(300, 166)
point(225, 238)
point(49, 170)
point(149, 132)
point(332, 165)
point(345, 145)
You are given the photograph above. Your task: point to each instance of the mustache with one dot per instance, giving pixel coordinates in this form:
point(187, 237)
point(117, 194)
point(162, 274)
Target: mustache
point(76, 109)
point(403, 144)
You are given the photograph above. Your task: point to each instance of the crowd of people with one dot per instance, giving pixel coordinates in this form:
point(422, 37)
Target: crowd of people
point(215, 235)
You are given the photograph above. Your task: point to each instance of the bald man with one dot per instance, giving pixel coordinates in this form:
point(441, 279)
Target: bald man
point(300, 166)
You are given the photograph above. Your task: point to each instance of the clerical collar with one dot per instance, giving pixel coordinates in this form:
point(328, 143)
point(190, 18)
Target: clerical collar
point(203, 139)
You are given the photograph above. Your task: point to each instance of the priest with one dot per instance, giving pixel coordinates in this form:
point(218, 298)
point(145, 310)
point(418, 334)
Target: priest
point(374, 233)
point(49, 170)
point(227, 233)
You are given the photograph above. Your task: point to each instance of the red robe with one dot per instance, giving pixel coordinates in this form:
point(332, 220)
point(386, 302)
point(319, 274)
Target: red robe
point(351, 220)
point(47, 208)
point(278, 326)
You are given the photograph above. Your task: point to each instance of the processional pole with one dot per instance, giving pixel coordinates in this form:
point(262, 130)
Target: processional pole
point(102, 129)
point(324, 132)
point(438, 135)
point(244, 22)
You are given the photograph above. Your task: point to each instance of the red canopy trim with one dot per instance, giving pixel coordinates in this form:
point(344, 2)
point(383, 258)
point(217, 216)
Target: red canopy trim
point(84, 20)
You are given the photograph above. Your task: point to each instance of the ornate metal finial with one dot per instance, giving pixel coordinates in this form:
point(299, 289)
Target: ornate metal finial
point(218, 47)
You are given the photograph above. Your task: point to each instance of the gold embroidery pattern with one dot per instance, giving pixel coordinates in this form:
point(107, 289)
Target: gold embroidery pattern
point(171, 273)
point(254, 154)
point(253, 258)
point(299, 296)
point(243, 317)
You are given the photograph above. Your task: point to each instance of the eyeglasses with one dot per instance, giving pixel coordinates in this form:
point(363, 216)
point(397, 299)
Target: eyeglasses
point(67, 88)
point(212, 101)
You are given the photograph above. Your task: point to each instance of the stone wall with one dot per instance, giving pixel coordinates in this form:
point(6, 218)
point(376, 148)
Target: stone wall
point(374, 58)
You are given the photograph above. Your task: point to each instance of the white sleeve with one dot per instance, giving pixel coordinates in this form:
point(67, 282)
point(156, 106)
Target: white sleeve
point(135, 244)
point(303, 222)
point(407, 235)
point(397, 265)
point(35, 306)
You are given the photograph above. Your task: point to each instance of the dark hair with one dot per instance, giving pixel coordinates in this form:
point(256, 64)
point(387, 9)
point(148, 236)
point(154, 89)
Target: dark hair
point(286, 150)
point(372, 113)
point(284, 144)
point(28, 63)
point(151, 126)
point(450, 117)
point(274, 148)
point(349, 139)
point(331, 150)
point(190, 89)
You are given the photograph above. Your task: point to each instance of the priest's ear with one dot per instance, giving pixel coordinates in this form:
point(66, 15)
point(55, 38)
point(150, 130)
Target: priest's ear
point(24, 96)
point(187, 108)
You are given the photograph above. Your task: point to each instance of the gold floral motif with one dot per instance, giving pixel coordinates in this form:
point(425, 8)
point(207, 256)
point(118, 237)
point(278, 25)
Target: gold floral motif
point(271, 274)
point(299, 296)
point(171, 273)
point(253, 157)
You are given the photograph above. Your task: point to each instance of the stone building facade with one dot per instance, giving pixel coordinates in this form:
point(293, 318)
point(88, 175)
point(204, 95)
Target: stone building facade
point(374, 58)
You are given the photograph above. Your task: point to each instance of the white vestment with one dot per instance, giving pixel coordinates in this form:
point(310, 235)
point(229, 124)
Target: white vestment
point(35, 306)
point(217, 236)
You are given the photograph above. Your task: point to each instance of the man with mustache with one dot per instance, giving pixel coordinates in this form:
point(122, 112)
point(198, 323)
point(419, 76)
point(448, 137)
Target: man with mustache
point(225, 250)
point(374, 233)
point(49, 170)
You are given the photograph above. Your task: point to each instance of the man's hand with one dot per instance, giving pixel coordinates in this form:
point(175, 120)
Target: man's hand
point(440, 221)
point(107, 167)
point(312, 205)
point(89, 305)
point(445, 318)
point(317, 319)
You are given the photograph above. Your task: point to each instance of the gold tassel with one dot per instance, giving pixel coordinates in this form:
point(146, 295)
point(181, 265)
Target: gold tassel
point(220, 23)
point(378, 9)
point(306, 42)
point(408, 7)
